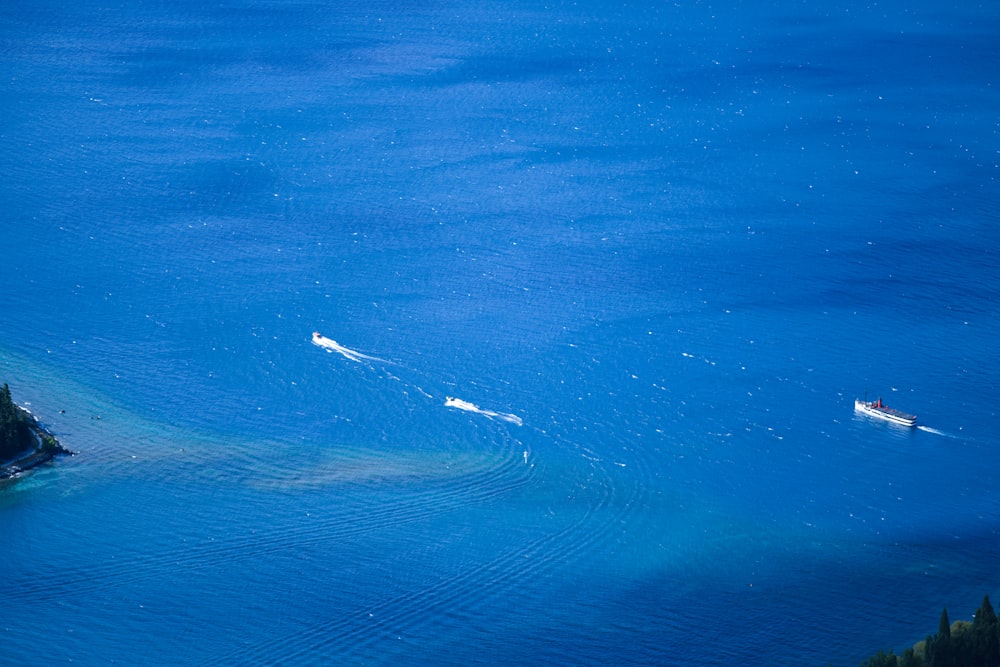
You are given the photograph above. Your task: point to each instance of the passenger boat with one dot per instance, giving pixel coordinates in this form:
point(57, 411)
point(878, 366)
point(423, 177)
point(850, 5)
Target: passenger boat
point(882, 411)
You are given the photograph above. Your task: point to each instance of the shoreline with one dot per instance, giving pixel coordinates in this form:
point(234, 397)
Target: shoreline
point(46, 448)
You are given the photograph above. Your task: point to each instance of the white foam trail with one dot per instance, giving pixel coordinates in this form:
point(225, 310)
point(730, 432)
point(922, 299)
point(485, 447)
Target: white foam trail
point(928, 429)
point(333, 346)
point(459, 404)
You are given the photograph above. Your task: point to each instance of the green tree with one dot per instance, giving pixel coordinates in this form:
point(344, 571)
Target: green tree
point(940, 652)
point(15, 433)
point(983, 638)
point(880, 659)
point(910, 658)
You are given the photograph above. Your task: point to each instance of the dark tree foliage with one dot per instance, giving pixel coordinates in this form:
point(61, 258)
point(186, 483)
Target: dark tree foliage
point(910, 658)
point(15, 432)
point(944, 625)
point(940, 651)
point(880, 659)
point(964, 644)
point(982, 641)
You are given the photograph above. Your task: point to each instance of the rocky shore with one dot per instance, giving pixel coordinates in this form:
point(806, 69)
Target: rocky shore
point(46, 448)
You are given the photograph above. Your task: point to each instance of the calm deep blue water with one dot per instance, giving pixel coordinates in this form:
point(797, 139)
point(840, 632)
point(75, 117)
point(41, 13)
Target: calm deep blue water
point(673, 240)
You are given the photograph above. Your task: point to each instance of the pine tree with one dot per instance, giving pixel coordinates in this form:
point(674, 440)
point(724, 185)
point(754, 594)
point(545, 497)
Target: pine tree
point(984, 640)
point(944, 625)
point(940, 652)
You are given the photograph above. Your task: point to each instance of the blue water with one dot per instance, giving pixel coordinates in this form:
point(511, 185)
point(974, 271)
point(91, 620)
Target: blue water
point(675, 240)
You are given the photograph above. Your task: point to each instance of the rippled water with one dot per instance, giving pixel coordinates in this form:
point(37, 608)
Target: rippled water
point(600, 286)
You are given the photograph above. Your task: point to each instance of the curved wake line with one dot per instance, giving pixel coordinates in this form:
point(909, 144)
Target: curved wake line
point(459, 594)
point(477, 485)
point(459, 404)
point(333, 346)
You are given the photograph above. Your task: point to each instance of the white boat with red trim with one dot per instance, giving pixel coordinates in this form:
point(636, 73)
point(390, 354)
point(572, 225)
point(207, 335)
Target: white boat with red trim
point(879, 409)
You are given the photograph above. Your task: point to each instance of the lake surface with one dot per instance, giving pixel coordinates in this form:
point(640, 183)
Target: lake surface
point(602, 283)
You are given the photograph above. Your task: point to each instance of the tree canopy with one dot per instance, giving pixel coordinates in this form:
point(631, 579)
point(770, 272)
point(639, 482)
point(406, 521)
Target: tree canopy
point(958, 644)
point(15, 430)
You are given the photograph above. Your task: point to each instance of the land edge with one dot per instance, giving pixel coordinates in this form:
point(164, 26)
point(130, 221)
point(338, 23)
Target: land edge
point(46, 448)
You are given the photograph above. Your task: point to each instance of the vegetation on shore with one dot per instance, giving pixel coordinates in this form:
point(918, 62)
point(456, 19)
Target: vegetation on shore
point(21, 436)
point(973, 643)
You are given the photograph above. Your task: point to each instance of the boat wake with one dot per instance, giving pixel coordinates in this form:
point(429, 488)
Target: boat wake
point(459, 404)
point(928, 429)
point(333, 346)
